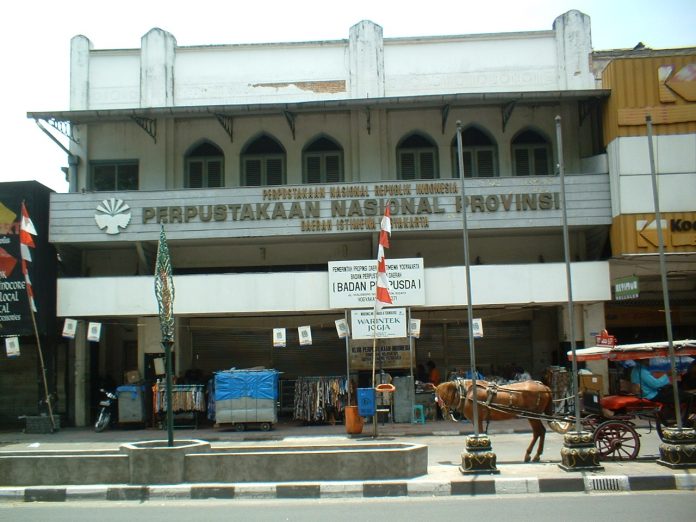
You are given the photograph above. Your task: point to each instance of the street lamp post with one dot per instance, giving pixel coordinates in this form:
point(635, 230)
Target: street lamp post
point(478, 456)
point(578, 452)
point(678, 449)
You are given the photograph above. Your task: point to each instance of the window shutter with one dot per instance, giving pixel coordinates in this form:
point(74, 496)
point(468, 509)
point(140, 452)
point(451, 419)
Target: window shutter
point(485, 164)
point(127, 177)
point(427, 165)
point(252, 172)
point(104, 177)
point(214, 173)
point(541, 162)
point(274, 171)
point(522, 162)
point(408, 165)
point(313, 165)
point(467, 159)
point(333, 168)
point(195, 178)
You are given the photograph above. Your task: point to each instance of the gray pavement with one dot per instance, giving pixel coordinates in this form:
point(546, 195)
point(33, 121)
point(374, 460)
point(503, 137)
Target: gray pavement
point(445, 441)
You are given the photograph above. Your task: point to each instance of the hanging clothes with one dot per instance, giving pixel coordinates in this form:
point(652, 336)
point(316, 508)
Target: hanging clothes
point(185, 397)
point(316, 396)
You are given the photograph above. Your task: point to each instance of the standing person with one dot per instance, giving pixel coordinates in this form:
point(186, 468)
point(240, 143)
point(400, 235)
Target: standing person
point(433, 373)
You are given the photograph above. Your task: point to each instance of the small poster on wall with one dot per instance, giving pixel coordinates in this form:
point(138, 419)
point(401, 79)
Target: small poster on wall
point(342, 328)
point(305, 333)
point(94, 332)
point(159, 365)
point(69, 328)
point(12, 346)
point(478, 328)
point(279, 338)
point(414, 328)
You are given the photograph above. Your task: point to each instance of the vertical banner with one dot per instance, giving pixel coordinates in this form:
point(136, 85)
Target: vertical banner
point(342, 328)
point(94, 332)
point(69, 328)
point(305, 334)
point(12, 346)
point(279, 338)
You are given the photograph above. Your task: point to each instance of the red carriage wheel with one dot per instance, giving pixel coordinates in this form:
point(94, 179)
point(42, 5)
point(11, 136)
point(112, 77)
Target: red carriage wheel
point(617, 441)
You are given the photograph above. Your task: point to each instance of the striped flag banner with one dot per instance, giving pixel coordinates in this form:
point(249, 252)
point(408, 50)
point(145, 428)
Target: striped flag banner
point(382, 297)
point(26, 241)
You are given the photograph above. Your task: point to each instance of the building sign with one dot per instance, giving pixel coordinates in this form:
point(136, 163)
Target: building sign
point(321, 209)
point(352, 283)
point(626, 288)
point(387, 357)
point(15, 314)
point(388, 323)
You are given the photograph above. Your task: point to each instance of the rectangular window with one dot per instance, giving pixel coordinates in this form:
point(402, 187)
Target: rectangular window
point(107, 176)
point(486, 166)
point(252, 170)
point(522, 162)
point(407, 166)
point(541, 162)
point(313, 167)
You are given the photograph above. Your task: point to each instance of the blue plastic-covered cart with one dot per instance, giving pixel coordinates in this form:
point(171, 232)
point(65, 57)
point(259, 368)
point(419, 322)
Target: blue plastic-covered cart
point(246, 398)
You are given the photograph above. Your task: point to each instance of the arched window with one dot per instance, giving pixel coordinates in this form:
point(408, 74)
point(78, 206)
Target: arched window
point(479, 154)
point(263, 162)
point(531, 154)
point(416, 157)
point(322, 161)
point(205, 166)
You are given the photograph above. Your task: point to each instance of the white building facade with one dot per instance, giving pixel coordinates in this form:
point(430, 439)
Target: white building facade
point(267, 163)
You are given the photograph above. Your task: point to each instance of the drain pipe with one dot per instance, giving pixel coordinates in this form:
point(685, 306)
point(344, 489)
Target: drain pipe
point(73, 160)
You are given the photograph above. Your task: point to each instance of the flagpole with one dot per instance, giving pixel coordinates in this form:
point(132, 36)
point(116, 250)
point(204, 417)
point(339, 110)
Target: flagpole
point(26, 230)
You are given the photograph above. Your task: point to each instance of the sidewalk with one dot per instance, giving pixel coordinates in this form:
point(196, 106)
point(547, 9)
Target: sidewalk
point(441, 479)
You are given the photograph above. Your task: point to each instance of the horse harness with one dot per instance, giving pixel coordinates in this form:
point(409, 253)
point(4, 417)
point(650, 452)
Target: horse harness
point(492, 390)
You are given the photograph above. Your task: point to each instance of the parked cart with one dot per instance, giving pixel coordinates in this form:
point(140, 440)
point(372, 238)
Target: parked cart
point(246, 398)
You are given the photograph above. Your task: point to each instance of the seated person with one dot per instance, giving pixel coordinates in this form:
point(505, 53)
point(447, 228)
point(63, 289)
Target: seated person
point(653, 388)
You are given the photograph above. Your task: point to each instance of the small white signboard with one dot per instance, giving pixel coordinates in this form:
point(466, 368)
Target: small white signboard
point(69, 328)
point(12, 346)
point(478, 328)
point(278, 337)
point(390, 323)
point(305, 333)
point(94, 332)
point(342, 328)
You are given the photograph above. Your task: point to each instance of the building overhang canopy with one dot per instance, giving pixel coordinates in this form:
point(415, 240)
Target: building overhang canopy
point(449, 101)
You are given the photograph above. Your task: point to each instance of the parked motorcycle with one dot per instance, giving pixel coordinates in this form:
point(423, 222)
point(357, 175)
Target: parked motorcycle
point(106, 405)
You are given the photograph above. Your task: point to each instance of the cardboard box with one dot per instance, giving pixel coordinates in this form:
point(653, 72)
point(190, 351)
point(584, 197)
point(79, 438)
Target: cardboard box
point(594, 383)
point(132, 377)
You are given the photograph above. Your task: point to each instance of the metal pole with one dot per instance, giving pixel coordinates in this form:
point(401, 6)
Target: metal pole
point(566, 250)
point(345, 315)
point(663, 273)
point(469, 304)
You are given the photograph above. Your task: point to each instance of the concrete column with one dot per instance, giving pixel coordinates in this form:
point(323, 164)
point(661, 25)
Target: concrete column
point(158, 49)
point(366, 61)
point(573, 51)
point(80, 46)
point(81, 376)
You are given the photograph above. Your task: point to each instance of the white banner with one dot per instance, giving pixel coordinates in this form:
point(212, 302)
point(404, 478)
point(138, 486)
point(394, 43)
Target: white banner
point(414, 330)
point(12, 346)
point(342, 328)
point(352, 283)
point(279, 338)
point(69, 328)
point(94, 332)
point(478, 328)
point(391, 323)
point(305, 333)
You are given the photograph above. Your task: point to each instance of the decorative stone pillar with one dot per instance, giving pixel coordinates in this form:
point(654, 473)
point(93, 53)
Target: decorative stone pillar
point(478, 456)
point(579, 452)
point(678, 448)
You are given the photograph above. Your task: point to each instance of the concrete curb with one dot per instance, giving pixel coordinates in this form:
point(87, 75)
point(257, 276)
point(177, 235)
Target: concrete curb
point(413, 488)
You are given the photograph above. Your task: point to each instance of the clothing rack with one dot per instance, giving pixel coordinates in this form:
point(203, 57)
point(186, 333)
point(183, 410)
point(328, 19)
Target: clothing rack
point(317, 398)
point(188, 401)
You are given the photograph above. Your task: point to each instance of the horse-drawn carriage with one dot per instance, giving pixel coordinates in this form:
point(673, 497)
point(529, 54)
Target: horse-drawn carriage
point(611, 419)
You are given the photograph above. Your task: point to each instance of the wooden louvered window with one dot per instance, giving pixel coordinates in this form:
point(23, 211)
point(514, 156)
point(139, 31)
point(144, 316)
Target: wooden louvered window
point(263, 163)
point(531, 155)
point(323, 162)
point(479, 154)
point(205, 167)
point(417, 158)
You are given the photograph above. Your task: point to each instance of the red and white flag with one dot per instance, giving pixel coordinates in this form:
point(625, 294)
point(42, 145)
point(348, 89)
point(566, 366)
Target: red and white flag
point(26, 230)
point(382, 297)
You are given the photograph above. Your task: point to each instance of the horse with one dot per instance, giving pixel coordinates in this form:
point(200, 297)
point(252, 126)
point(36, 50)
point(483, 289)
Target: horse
point(499, 402)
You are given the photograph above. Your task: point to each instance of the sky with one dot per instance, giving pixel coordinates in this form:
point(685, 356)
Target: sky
point(35, 42)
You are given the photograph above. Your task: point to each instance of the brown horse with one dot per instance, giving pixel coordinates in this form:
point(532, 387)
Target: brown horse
point(499, 402)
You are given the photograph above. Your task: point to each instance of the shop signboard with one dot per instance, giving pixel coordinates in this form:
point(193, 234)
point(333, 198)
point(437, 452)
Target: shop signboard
point(388, 357)
point(352, 283)
point(626, 288)
point(388, 323)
